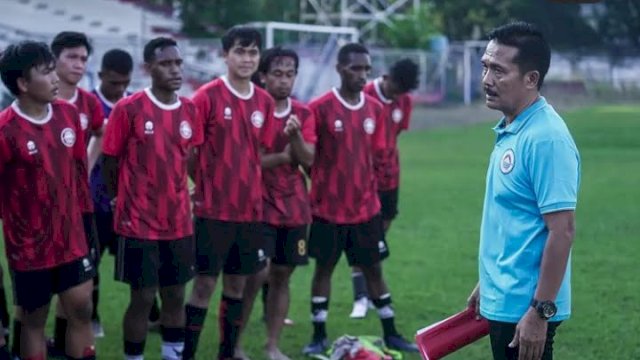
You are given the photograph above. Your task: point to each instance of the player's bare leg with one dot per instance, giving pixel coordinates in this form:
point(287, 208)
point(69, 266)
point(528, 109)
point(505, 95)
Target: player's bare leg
point(196, 312)
point(77, 304)
point(381, 298)
point(172, 320)
point(135, 324)
point(32, 332)
point(252, 287)
point(277, 308)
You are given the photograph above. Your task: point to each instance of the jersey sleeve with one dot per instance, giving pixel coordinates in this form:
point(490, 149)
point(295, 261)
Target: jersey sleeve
point(204, 108)
point(97, 114)
point(198, 126)
point(267, 131)
point(408, 109)
point(79, 149)
point(309, 127)
point(5, 151)
point(378, 138)
point(117, 132)
point(554, 169)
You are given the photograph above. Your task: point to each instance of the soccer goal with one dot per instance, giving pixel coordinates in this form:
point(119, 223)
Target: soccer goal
point(316, 45)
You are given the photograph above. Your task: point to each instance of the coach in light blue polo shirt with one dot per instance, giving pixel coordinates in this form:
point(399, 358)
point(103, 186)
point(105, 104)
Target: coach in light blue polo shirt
point(531, 194)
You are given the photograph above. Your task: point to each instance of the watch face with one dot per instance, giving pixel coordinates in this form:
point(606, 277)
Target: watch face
point(548, 310)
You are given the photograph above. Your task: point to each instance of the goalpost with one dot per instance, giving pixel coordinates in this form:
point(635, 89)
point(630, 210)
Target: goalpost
point(317, 47)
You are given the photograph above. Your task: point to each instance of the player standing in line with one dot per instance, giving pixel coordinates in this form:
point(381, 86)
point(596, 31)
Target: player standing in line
point(115, 76)
point(72, 50)
point(287, 212)
point(228, 193)
point(147, 143)
point(344, 198)
point(42, 155)
point(392, 91)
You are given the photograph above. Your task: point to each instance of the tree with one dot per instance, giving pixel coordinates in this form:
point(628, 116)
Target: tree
point(414, 31)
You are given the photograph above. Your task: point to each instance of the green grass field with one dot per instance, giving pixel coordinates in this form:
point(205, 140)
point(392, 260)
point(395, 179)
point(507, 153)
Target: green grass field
point(434, 245)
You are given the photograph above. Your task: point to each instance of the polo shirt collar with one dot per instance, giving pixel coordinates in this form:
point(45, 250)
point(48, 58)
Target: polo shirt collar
point(521, 119)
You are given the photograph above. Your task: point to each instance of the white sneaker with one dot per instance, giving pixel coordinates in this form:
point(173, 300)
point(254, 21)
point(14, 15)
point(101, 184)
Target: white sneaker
point(360, 308)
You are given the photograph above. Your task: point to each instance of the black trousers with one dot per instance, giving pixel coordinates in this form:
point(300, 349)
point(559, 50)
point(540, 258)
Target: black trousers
point(501, 334)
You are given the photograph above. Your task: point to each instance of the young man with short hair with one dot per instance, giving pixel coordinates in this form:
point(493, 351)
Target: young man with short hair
point(344, 198)
point(392, 91)
point(72, 50)
point(287, 212)
point(228, 189)
point(147, 142)
point(42, 164)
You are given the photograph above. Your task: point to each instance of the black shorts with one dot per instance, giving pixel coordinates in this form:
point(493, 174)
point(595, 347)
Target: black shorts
point(107, 238)
point(286, 245)
point(388, 204)
point(91, 236)
point(154, 263)
point(236, 248)
point(34, 289)
point(363, 243)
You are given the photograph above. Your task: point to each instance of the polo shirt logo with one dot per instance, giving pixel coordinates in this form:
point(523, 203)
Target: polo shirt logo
point(507, 161)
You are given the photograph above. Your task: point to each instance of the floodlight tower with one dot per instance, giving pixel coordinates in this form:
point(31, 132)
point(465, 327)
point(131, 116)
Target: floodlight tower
point(366, 15)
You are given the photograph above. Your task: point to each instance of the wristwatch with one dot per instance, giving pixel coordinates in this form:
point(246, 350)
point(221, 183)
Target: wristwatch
point(546, 309)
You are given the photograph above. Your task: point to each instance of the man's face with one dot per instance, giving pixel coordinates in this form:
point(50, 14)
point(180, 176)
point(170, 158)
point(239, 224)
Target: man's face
point(112, 84)
point(242, 61)
point(280, 78)
point(71, 65)
point(166, 69)
point(42, 85)
point(355, 72)
point(503, 84)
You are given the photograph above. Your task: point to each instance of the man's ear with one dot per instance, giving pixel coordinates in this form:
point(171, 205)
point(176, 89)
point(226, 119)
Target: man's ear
point(22, 84)
point(147, 68)
point(531, 80)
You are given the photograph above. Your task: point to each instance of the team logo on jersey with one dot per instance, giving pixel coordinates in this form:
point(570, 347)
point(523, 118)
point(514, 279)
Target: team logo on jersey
point(337, 125)
point(148, 128)
point(68, 137)
point(369, 126)
point(261, 256)
point(257, 119)
point(396, 115)
point(185, 130)
point(507, 161)
point(227, 113)
point(31, 147)
point(84, 121)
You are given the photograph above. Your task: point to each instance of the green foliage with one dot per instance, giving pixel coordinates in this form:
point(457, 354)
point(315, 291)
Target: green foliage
point(414, 31)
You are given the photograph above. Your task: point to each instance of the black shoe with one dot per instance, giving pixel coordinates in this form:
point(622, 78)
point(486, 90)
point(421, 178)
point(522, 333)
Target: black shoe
point(397, 342)
point(316, 347)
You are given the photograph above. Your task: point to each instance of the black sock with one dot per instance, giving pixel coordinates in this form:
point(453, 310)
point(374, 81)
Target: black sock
point(230, 322)
point(133, 349)
point(4, 311)
point(386, 314)
point(195, 318)
point(359, 285)
point(265, 294)
point(4, 353)
point(154, 315)
point(95, 297)
point(60, 333)
point(15, 345)
point(319, 312)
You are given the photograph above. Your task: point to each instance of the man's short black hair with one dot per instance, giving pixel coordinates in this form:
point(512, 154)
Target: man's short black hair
point(70, 39)
point(534, 52)
point(404, 74)
point(348, 49)
point(269, 55)
point(245, 35)
point(118, 61)
point(17, 61)
point(150, 48)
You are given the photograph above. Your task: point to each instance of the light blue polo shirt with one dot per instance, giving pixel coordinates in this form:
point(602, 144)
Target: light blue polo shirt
point(534, 170)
